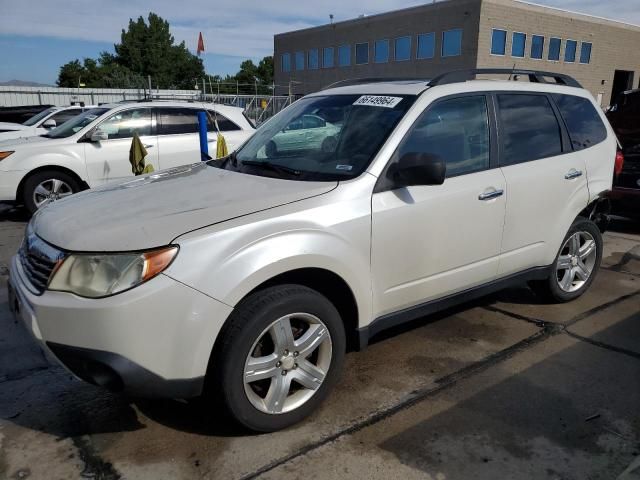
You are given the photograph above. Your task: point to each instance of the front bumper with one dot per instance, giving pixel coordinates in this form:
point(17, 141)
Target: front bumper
point(9, 181)
point(152, 341)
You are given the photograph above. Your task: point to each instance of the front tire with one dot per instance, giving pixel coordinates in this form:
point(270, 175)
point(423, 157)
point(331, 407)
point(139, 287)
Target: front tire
point(47, 186)
point(576, 264)
point(281, 353)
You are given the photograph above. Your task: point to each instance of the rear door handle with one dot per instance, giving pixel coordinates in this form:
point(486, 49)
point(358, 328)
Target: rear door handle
point(489, 195)
point(148, 146)
point(573, 173)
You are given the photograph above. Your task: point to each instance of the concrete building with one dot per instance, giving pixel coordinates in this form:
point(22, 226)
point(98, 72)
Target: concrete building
point(424, 41)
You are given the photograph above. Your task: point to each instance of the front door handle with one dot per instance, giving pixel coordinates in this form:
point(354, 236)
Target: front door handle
point(573, 173)
point(490, 195)
point(148, 146)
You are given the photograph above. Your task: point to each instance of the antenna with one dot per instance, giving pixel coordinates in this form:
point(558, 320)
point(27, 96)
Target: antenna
point(512, 70)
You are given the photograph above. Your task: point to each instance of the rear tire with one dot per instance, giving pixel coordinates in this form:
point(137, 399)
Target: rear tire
point(575, 266)
point(44, 187)
point(280, 354)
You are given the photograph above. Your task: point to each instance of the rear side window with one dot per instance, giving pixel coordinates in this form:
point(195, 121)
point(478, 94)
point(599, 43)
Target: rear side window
point(457, 130)
point(582, 120)
point(175, 121)
point(529, 128)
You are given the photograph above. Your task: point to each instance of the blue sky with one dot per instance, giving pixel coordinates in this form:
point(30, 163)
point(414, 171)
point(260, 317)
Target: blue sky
point(38, 36)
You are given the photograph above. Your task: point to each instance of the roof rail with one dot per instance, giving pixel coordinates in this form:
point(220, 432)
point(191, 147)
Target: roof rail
point(359, 81)
point(536, 76)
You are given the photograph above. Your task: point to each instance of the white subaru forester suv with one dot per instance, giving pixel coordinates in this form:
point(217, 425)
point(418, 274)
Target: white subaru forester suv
point(248, 279)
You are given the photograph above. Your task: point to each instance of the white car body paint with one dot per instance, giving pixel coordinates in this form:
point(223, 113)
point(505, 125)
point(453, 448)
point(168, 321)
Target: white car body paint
point(394, 249)
point(18, 130)
point(99, 163)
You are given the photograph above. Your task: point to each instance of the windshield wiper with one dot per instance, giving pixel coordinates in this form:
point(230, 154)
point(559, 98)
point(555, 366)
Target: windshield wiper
point(272, 166)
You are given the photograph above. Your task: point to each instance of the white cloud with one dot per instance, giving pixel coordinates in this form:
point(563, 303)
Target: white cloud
point(243, 28)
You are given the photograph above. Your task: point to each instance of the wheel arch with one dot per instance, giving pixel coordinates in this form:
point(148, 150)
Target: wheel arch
point(598, 211)
point(329, 284)
point(56, 168)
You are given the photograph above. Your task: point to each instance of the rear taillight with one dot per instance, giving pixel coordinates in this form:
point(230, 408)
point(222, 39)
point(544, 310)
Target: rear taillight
point(617, 168)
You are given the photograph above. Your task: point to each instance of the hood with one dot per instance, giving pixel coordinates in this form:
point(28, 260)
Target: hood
point(152, 211)
point(16, 139)
point(12, 126)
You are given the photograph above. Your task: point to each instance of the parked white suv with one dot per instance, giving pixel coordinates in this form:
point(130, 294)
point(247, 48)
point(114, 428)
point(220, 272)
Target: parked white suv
point(42, 122)
point(93, 148)
point(249, 278)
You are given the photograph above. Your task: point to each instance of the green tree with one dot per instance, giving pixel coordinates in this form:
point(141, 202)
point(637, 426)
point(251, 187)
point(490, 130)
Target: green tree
point(144, 49)
point(265, 70)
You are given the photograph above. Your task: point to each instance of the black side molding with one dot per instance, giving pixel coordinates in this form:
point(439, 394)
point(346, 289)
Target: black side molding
point(412, 313)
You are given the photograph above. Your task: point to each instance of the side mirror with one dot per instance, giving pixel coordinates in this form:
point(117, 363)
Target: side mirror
point(99, 136)
point(418, 169)
point(51, 123)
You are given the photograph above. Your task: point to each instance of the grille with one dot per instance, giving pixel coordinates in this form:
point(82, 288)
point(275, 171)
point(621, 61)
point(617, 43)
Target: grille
point(38, 260)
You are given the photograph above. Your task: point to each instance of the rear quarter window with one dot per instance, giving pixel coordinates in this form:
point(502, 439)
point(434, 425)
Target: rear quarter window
point(583, 123)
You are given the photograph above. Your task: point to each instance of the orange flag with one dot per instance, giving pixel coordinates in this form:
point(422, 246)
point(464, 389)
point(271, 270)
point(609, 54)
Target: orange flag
point(200, 44)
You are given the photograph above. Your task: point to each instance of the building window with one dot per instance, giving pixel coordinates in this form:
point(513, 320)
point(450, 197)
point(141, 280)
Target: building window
point(299, 60)
point(498, 42)
point(452, 43)
point(381, 51)
point(426, 45)
point(403, 49)
point(327, 57)
point(313, 60)
point(554, 49)
point(518, 44)
point(286, 62)
point(344, 55)
point(537, 46)
point(585, 52)
point(570, 51)
point(362, 53)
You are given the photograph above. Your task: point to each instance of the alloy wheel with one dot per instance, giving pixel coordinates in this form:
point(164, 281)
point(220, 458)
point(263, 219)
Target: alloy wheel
point(49, 191)
point(576, 261)
point(288, 363)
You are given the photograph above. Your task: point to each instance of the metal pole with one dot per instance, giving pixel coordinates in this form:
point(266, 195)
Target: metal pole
point(204, 142)
point(150, 88)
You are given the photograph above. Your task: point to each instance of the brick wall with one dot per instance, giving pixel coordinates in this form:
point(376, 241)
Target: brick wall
point(616, 46)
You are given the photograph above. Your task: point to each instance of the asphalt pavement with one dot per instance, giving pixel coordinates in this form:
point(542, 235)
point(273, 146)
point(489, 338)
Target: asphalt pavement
point(503, 387)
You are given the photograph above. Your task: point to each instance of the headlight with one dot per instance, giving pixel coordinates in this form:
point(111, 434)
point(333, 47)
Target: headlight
point(4, 155)
point(96, 276)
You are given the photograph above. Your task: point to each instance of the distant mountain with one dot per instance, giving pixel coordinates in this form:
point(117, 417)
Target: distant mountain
point(22, 83)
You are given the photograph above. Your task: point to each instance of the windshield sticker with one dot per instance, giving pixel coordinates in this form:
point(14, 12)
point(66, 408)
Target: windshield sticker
point(378, 101)
point(344, 167)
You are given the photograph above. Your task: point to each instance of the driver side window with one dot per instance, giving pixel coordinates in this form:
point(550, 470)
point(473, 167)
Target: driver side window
point(124, 124)
point(456, 130)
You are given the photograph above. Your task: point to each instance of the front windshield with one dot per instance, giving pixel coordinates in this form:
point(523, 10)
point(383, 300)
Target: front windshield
point(36, 118)
point(332, 137)
point(75, 124)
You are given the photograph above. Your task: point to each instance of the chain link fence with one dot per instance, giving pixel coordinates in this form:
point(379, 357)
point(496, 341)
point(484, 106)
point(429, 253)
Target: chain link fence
point(257, 99)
